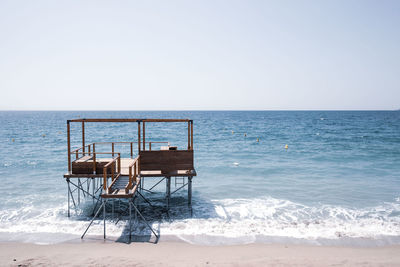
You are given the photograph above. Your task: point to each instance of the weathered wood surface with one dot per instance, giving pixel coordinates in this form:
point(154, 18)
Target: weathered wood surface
point(129, 120)
point(166, 161)
point(117, 189)
point(84, 165)
point(126, 162)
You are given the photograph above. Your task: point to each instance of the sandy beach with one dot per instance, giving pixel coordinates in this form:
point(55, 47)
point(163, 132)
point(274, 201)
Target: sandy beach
point(183, 254)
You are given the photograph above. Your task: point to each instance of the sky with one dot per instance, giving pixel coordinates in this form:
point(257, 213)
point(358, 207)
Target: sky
point(199, 55)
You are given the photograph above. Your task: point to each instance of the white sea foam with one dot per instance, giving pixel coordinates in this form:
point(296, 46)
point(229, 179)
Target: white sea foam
point(229, 221)
point(248, 219)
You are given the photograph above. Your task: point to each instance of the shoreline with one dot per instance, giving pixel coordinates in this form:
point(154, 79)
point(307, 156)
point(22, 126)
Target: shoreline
point(167, 253)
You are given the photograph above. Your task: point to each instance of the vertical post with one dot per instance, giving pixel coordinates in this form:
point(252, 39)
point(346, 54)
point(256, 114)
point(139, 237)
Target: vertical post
point(119, 162)
point(93, 188)
point(131, 151)
point(69, 148)
point(79, 190)
point(89, 150)
point(188, 135)
point(83, 137)
point(112, 148)
point(191, 130)
point(94, 163)
point(190, 191)
point(138, 136)
point(104, 217)
point(68, 196)
point(130, 179)
point(105, 180)
point(130, 219)
point(134, 172)
point(112, 171)
point(168, 181)
point(144, 137)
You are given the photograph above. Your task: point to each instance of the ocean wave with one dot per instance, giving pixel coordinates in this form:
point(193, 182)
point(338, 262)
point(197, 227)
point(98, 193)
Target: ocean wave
point(230, 221)
point(248, 219)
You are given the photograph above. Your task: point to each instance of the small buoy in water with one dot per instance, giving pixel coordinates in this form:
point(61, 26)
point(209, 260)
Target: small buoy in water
point(236, 163)
point(13, 140)
point(43, 135)
point(245, 134)
point(233, 132)
point(286, 146)
point(258, 139)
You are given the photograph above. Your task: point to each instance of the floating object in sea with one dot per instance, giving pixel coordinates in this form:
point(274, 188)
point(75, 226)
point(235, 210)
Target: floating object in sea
point(245, 134)
point(258, 139)
point(43, 135)
point(13, 140)
point(321, 119)
point(233, 132)
point(236, 163)
point(59, 132)
point(317, 133)
point(286, 146)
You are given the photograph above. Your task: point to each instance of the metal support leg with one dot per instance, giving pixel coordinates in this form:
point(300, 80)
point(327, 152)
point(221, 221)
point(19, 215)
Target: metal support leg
point(104, 217)
point(97, 213)
point(168, 179)
point(190, 191)
point(68, 196)
point(130, 219)
point(93, 188)
point(148, 225)
point(79, 192)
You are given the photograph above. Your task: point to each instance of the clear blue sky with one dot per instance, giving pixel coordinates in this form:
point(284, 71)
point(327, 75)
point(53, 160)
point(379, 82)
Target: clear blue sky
point(139, 55)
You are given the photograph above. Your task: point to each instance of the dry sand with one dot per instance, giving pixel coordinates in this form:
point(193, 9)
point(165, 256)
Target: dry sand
point(183, 254)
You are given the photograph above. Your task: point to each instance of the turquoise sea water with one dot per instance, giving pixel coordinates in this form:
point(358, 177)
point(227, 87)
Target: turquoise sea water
point(338, 182)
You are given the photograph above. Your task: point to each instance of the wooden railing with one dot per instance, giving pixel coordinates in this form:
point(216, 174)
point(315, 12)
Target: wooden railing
point(92, 147)
point(93, 154)
point(114, 176)
point(156, 143)
point(134, 171)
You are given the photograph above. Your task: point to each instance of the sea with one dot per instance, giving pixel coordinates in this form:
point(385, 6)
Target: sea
point(299, 177)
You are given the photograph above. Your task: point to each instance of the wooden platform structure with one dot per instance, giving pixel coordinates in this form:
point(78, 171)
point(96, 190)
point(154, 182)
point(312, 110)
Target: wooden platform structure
point(114, 177)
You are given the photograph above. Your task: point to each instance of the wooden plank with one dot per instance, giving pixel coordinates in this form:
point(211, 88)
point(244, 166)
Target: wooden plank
point(83, 136)
point(191, 129)
point(144, 136)
point(188, 135)
point(69, 147)
point(166, 160)
point(86, 167)
point(139, 136)
point(83, 159)
point(129, 120)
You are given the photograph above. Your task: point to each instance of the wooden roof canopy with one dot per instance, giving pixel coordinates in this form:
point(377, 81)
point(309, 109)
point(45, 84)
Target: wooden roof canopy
point(130, 120)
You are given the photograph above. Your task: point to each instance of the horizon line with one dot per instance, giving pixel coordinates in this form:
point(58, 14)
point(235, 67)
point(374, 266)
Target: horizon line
point(160, 110)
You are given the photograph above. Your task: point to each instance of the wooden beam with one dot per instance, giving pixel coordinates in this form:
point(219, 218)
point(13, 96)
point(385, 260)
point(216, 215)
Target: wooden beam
point(188, 135)
point(69, 147)
point(191, 129)
point(129, 120)
point(138, 136)
point(83, 136)
point(144, 136)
